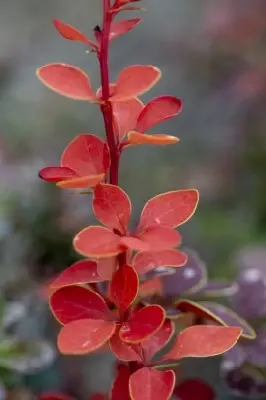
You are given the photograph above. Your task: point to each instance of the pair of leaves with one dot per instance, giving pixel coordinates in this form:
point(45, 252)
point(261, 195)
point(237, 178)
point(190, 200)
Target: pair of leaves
point(84, 163)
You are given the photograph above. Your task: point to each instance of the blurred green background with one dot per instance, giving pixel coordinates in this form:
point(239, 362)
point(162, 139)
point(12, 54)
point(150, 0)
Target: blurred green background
point(212, 55)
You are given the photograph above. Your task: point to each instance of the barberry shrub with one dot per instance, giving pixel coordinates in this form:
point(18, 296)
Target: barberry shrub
point(98, 299)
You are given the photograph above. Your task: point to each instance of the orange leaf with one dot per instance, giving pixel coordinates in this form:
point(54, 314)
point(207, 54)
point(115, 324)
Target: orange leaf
point(142, 324)
point(124, 287)
point(134, 81)
point(84, 336)
point(150, 384)
point(121, 27)
point(71, 33)
point(146, 261)
point(83, 182)
point(124, 351)
point(156, 342)
point(71, 303)
point(157, 110)
point(81, 272)
point(169, 209)
point(112, 207)
point(203, 341)
point(126, 114)
point(56, 174)
point(120, 387)
point(97, 242)
point(135, 138)
point(67, 80)
point(107, 267)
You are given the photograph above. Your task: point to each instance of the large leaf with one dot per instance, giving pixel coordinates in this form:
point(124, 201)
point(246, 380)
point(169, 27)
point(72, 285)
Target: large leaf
point(146, 261)
point(71, 303)
point(126, 114)
point(159, 139)
point(156, 342)
point(125, 351)
point(67, 80)
point(134, 81)
point(203, 341)
point(124, 287)
point(120, 387)
point(71, 33)
point(84, 336)
point(123, 26)
point(97, 242)
point(169, 209)
point(150, 384)
point(157, 110)
point(112, 207)
point(186, 390)
point(142, 324)
point(81, 272)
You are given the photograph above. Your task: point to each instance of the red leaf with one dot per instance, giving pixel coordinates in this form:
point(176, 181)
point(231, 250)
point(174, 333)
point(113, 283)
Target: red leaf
point(142, 324)
point(150, 384)
point(156, 342)
point(54, 396)
point(135, 138)
point(107, 267)
point(120, 387)
point(203, 341)
point(121, 27)
point(134, 81)
point(86, 155)
point(71, 303)
point(186, 390)
point(124, 287)
point(56, 174)
point(151, 287)
point(112, 207)
point(124, 351)
point(97, 242)
point(169, 209)
point(98, 396)
point(81, 272)
point(84, 336)
point(146, 261)
point(71, 33)
point(83, 182)
point(126, 114)
point(158, 110)
point(67, 80)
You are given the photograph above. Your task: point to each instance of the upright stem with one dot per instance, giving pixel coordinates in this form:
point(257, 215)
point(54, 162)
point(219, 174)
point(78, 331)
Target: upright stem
point(106, 107)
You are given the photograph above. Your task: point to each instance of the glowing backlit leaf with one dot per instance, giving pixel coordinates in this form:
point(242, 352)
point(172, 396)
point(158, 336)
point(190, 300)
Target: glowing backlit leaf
point(71, 303)
point(112, 207)
point(126, 114)
point(169, 209)
point(142, 324)
point(144, 262)
point(83, 182)
point(203, 341)
point(67, 80)
point(81, 272)
point(125, 351)
point(134, 81)
point(71, 33)
point(84, 336)
point(124, 287)
point(157, 110)
point(97, 242)
point(150, 384)
point(186, 390)
point(120, 388)
point(135, 138)
point(121, 27)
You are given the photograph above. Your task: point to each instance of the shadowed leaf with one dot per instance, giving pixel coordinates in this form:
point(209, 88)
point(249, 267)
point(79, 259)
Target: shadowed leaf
point(126, 114)
point(120, 387)
point(186, 390)
point(156, 342)
point(125, 351)
point(107, 267)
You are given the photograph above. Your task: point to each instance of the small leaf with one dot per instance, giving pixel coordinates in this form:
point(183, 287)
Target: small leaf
point(67, 80)
point(142, 324)
point(120, 387)
point(71, 303)
point(83, 182)
point(97, 242)
point(71, 33)
point(107, 267)
point(169, 209)
point(157, 110)
point(121, 27)
point(135, 138)
point(151, 287)
point(124, 351)
point(150, 384)
point(203, 341)
point(81, 272)
point(124, 287)
point(134, 81)
point(156, 342)
point(126, 114)
point(186, 390)
point(57, 174)
point(112, 207)
point(144, 262)
point(84, 336)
